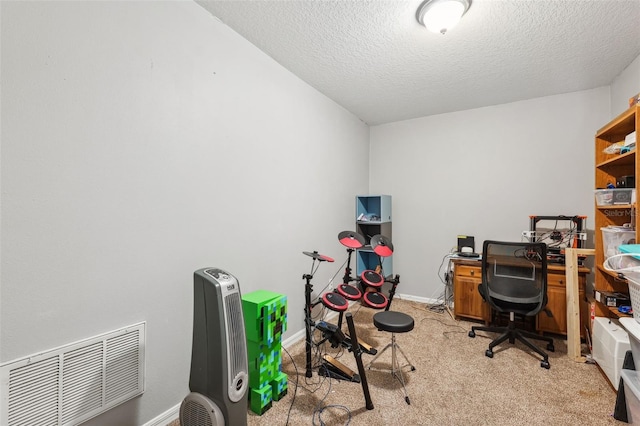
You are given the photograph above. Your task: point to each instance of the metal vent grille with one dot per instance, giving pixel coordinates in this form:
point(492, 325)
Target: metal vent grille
point(198, 410)
point(33, 391)
point(70, 384)
point(235, 330)
point(81, 381)
point(195, 414)
point(122, 353)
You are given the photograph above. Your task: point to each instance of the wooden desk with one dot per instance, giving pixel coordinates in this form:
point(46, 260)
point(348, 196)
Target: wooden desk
point(467, 302)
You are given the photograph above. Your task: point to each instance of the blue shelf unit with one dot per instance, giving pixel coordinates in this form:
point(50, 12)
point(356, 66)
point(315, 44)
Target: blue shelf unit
point(373, 208)
point(373, 217)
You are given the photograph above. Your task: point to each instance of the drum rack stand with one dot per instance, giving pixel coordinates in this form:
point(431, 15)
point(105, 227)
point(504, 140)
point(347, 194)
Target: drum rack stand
point(331, 367)
point(392, 292)
point(346, 279)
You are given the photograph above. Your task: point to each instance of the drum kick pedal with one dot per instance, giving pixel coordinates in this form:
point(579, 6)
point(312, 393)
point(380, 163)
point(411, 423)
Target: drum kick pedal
point(336, 337)
point(363, 345)
point(331, 367)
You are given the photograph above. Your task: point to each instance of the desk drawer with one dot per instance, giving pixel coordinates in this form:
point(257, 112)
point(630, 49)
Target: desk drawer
point(556, 280)
point(469, 271)
point(467, 302)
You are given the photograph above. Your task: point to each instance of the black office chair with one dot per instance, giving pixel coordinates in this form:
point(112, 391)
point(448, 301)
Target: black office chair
point(514, 280)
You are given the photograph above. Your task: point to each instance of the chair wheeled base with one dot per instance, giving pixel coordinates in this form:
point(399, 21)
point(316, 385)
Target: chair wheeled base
point(512, 333)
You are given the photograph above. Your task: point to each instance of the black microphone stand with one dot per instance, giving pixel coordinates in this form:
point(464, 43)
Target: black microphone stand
point(308, 289)
point(347, 272)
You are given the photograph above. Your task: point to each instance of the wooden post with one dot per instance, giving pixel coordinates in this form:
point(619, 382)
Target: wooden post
point(573, 302)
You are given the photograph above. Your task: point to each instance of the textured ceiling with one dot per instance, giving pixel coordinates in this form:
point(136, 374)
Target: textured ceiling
point(374, 59)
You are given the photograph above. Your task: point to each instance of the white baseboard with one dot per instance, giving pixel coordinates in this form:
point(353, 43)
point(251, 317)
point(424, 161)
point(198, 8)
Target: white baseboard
point(165, 418)
point(294, 338)
point(417, 299)
point(174, 412)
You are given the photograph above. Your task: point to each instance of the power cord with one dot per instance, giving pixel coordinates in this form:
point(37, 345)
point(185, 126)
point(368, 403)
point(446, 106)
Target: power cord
point(446, 333)
point(430, 309)
point(446, 296)
point(330, 283)
point(319, 409)
point(295, 389)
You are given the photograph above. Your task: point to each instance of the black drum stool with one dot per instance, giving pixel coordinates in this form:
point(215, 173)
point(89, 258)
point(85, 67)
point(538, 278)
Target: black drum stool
point(394, 322)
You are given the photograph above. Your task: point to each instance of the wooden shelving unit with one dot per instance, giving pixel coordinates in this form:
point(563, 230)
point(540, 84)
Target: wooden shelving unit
point(609, 167)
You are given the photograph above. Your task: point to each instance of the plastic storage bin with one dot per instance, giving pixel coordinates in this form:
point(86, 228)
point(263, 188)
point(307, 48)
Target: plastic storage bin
point(624, 196)
point(614, 196)
point(633, 331)
point(615, 236)
point(610, 343)
point(604, 197)
point(631, 380)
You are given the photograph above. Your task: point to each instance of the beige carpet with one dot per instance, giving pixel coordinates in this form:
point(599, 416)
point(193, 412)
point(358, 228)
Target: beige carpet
point(454, 382)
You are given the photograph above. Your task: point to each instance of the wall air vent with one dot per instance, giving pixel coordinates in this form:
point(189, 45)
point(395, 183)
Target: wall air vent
point(73, 383)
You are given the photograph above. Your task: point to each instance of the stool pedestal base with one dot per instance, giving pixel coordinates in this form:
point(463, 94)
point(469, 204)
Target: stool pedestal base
point(396, 370)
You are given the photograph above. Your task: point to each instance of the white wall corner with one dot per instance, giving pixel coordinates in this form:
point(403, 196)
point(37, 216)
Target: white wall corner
point(624, 86)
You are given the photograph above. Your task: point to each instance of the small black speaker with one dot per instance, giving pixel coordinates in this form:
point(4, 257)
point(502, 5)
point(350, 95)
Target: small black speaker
point(466, 241)
point(219, 378)
point(626, 182)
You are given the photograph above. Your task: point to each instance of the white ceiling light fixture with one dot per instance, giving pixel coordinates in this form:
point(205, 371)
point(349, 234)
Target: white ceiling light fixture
point(440, 16)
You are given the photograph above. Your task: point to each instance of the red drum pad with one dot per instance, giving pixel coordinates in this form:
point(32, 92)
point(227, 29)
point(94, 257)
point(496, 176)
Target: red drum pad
point(349, 292)
point(372, 278)
point(376, 300)
point(334, 302)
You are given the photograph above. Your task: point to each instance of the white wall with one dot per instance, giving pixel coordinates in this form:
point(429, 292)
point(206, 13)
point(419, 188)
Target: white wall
point(482, 172)
point(142, 141)
point(624, 86)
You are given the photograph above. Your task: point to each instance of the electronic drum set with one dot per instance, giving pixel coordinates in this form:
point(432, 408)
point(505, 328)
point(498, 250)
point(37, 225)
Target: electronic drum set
point(367, 288)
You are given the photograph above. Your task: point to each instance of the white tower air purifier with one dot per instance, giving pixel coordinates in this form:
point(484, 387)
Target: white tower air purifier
point(219, 378)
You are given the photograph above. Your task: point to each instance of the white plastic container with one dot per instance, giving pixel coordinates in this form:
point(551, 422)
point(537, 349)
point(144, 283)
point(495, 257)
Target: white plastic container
point(633, 330)
point(631, 380)
point(615, 236)
point(610, 344)
point(624, 195)
point(615, 196)
point(604, 197)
